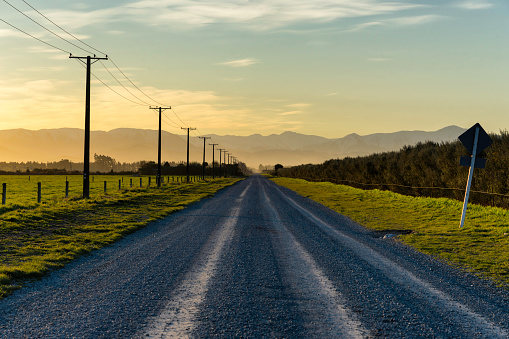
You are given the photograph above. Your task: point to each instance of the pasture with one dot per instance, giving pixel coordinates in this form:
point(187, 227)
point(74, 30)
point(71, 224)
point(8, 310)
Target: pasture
point(22, 190)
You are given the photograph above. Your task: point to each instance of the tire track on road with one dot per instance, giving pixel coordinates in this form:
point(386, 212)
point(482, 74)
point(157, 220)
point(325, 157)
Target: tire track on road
point(317, 296)
point(178, 318)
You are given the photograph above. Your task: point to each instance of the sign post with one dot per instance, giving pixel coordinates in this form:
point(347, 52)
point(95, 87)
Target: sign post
point(475, 140)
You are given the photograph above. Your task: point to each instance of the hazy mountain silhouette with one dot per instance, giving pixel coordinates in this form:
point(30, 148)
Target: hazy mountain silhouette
point(130, 145)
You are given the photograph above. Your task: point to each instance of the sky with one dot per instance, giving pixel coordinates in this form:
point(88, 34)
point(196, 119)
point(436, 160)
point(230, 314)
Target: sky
point(242, 67)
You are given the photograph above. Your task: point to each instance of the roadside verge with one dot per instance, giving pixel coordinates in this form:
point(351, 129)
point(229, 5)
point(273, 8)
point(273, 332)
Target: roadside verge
point(35, 240)
point(430, 225)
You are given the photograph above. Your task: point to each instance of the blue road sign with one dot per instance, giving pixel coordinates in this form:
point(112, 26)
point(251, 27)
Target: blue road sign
point(467, 161)
point(475, 139)
point(467, 139)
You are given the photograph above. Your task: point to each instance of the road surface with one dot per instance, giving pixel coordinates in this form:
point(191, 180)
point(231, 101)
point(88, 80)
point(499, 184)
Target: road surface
point(257, 261)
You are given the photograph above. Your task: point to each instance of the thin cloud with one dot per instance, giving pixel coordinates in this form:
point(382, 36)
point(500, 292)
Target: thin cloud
point(298, 105)
point(259, 15)
point(290, 113)
point(364, 26)
point(10, 33)
point(473, 5)
point(40, 49)
point(415, 20)
point(240, 63)
point(399, 22)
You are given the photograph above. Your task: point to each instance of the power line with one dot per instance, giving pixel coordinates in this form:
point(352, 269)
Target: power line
point(146, 95)
point(114, 77)
point(132, 83)
point(172, 123)
point(152, 99)
point(109, 87)
point(58, 36)
point(33, 37)
point(179, 117)
point(62, 28)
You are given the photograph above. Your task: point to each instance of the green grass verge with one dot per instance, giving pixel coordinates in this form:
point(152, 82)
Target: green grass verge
point(34, 240)
point(481, 247)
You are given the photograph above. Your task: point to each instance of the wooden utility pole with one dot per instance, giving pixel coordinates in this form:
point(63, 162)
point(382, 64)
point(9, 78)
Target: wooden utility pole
point(86, 162)
point(213, 160)
point(226, 165)
point(158, 179)
point(220, 155)
point(204, 141)
point(187, 167)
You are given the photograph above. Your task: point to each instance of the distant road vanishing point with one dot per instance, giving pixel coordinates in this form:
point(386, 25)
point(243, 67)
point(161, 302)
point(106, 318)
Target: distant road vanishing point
point(259, 261)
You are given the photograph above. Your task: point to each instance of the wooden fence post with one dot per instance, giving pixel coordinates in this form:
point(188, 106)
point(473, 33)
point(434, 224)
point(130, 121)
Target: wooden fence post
point(105, 186)
point(66, 188)
point(4, 193)
point(131, 183)
point(120, 184)
point(39, 192)
point(141, 185)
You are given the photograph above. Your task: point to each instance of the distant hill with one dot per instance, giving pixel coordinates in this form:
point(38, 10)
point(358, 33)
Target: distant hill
point(130, 145)
point(290, 148)
point(123, 144)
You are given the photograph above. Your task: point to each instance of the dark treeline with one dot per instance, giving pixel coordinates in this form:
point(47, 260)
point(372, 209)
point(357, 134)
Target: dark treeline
point(101, 164)
point(426, 167)
point(240, 169)
point(106, 164)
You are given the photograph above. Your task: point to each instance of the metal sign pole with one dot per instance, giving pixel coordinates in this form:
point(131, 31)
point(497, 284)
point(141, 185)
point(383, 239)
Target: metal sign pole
point(470, 175)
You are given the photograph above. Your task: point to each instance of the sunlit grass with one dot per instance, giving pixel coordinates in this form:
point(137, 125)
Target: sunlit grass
point(22, 189)
point(480, 247)
point(37, 238)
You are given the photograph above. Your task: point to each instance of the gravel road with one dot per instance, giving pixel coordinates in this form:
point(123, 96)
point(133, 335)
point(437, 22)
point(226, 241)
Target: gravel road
point(258, 261)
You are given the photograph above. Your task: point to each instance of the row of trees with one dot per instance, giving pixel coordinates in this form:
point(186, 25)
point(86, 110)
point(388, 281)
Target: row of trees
point(106, 164)
point(195, 168)
point(102, 163)
point(426, 169)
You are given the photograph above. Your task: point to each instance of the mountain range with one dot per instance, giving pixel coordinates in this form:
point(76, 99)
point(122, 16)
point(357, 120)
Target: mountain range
point(131, 145)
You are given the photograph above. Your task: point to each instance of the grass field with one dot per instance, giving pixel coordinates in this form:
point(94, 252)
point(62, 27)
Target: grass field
point(22, 189)
point(481, 247)
point(35, 238)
